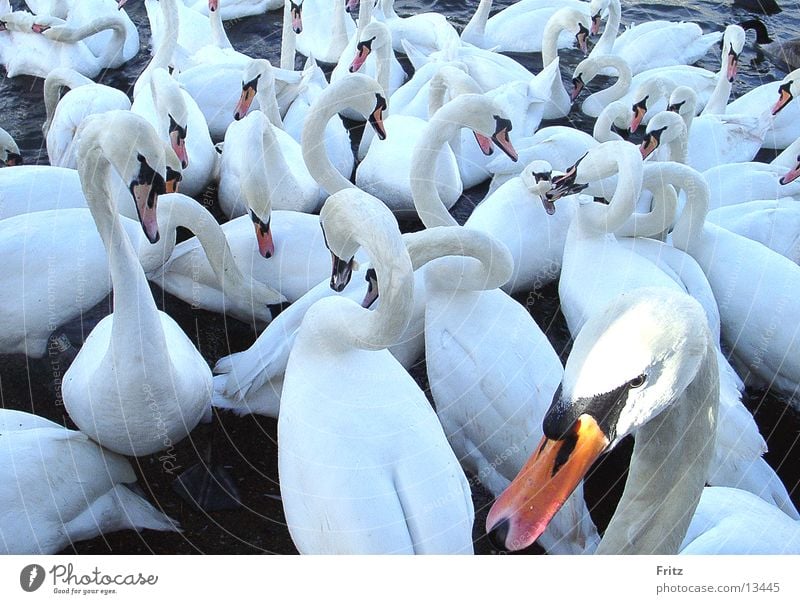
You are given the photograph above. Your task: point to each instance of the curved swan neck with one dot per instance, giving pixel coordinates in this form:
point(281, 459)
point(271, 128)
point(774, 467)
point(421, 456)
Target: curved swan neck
point(365, 13)
point(619, 88)
point(259, 185)
point(449, 81)
point(387, 6)
point(56, 80)
point(476, 27)
point(599, 218)
point(315, 155)
point(375, 229)
point(561, 20)
point(288, 40)
point(718, 101)
point(675, 446)
point(661, 216)
point(265, 94)
point(602, 131)
point(605, 44)
point(440, 129)
point(168, 44)
point(688, 230)
point(493, 269)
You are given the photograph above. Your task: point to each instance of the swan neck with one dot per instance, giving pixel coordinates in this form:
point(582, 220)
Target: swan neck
point(605, 44)
point(388, 9)
point(339, 38)
point(552, 30)
point(688, 232)
point(315, 155)
point(675, 446)
point(599, 218)
point(477, 24)
point(718, 101)
point(218, 35)
point(661, 216)
point(429, 205)
point(619, 88)
point(288, 41)
point(168, 43)
point(53, 83)
point(268, 102)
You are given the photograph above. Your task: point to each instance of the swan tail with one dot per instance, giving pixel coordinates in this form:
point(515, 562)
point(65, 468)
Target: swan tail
point(118, 509)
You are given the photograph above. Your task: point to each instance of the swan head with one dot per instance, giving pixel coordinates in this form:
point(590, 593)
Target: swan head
point(573, 21)
point(131, 146)
point(628, 364)
point(646, 96)
point(732, 44)
point(613, 122)
point(169, 100)
point(585, 72)
point(597, 8)
point(663, 129)
point(792, 174)
point(537, 178)
point(374, 35)
point(9, 151)
point(213, 6)
point(296, 12)
point(257, 73)
point(371, 296)
point(174, 173)
point(788, 89)
point(352, 6)
point(683, 101)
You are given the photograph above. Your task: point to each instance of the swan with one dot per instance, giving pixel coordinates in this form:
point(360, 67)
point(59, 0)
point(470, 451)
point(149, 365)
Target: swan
point(706, 141)
point(133, 408)
point(65, 114)
point(731, 521)
point(396, 477)
point(653, 44)
point(326, 28)
point(358, 92)
point(774, 223)
point(235, 9)
point(70, 47)
point(81, 13)
point(649, 353)
point(9, 151)
point(370, 52)
point(178, 119)
point(786, 127)
point(428, 144)
point(428, 32)
point(519, 27)
point(626, 87)
point(167, 17)
point(59, 487)
point(254, 143)
point(493, 380)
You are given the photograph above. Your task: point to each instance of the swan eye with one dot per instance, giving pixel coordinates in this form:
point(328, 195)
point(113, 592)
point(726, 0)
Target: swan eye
point(638, 381)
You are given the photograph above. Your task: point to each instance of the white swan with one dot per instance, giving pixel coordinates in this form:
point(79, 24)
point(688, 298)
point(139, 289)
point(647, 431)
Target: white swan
point(428, 32)
point(71, 48)
point(81, 13)
point(492, 381)
point(142, 406)
point(59, 487)
point(361, 421)
point(776, 95)
point(325, 31)
point(170, 17)
point(370, 52)
point(706, 141)
point(648, 354)
point(254, 143)
point(626, 87)
point(653, 44)
point(65, 114)
point(178, 119)
point(358, 92)
point(9, 151)
point(234, 9)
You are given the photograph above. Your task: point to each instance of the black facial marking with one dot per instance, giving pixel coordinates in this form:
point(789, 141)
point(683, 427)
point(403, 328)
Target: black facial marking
point(676, 107)
point(560, 419)
point(540, 176)
point(564, 452)
point(174, 127)
point(365, 44)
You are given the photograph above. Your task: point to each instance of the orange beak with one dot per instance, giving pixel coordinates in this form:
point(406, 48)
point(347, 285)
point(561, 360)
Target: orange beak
point(521, 514)
point(245, 100)
point(639, 112)
point(649, 145)
point(784, 96)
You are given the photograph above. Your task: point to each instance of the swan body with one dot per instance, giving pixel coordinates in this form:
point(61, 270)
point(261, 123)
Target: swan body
point(235, 9)
point(429, 32)
point(139, 406)
point(391, 452)
point(169, 16)
point(59, 487)
point(731, 184)
point(773, 223)
point(65, 115)
point(325, 32)
point(731, 521)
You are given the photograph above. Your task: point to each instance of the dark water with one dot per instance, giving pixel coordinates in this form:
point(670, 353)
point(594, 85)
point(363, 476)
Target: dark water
point(246, 446)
